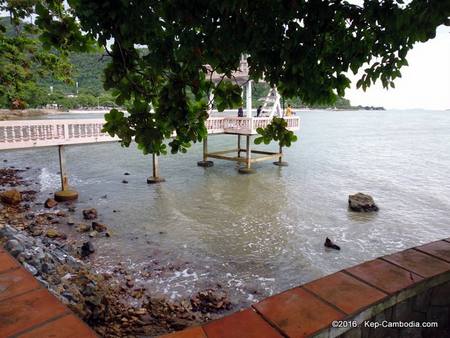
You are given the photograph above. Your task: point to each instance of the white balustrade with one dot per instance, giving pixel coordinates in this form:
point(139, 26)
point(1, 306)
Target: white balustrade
point(42, 133)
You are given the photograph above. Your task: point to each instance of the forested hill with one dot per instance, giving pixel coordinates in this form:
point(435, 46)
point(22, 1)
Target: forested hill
point(88, 72)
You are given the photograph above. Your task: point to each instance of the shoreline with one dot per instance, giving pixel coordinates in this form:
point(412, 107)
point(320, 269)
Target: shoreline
point(8, 114)
point(113, 304)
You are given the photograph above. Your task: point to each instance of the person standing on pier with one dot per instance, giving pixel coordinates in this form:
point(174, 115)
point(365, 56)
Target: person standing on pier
point(258, 111)
point(288, 110)
point(240, 112)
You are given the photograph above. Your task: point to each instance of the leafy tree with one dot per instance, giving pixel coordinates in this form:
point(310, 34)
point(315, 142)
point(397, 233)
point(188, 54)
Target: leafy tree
point(305, 48)
point(276, 131)
point(22, 60)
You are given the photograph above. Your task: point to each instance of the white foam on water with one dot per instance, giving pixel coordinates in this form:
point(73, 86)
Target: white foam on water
point(48, 180)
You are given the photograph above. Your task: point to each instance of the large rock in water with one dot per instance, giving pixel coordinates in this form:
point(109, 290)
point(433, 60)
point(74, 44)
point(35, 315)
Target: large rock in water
point(362, 203)
point(11, 197)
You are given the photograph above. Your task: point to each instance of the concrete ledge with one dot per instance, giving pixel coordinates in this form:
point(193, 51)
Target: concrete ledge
point(205, 164)
point(246, 171)
point(29, 310)
point(413, 284)
point(281, 164)
point(153, 180)
point(66, 195)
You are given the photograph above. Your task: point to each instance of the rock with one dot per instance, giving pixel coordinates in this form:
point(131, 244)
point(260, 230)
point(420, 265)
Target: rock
point(329, 244)
point(141, 311)
point(90, 213)
point(47, 268)
point(99, 227)
point(50, 203)
point(52, 233)
point(70, 222)
point(37, 232)
point(86, 249)
point(361, 203)
point(71, 209)
point(82, 227)
point(23, 256)
point(126, 174)
point(30, 268)
point(93, 234)
point(14, 247)
point(124, 181)
point(11, 197)
point(210, 301)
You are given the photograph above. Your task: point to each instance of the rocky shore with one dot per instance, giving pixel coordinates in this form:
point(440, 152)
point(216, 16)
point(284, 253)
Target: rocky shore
point(40, 235)
point(8, 114)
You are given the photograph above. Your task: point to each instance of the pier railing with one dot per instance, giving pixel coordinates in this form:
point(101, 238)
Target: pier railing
point(41, 133)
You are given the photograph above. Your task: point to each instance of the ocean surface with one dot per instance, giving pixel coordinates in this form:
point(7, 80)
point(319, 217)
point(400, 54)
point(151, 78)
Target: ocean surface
point(259, 234)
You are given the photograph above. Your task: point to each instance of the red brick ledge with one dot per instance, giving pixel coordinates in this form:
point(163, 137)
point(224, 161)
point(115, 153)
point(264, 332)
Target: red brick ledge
point(356, 293)
point(28, 310)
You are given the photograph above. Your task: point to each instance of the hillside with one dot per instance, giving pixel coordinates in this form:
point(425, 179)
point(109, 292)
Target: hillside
point(88, 72)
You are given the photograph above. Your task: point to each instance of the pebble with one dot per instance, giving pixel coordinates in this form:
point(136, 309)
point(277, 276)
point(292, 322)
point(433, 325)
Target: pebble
point(83, 227)
point(50, 203)
point(52, 233)
point(86, 249)
point(90, 213)
point(99, 227)
point(30, 268)
point(14, 247)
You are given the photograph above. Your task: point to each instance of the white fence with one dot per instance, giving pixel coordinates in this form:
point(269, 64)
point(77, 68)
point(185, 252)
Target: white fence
point(43, 133)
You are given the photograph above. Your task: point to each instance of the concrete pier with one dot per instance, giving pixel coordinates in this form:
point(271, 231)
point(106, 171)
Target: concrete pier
point(155, 170)
point(65, 194)
point(205, 163)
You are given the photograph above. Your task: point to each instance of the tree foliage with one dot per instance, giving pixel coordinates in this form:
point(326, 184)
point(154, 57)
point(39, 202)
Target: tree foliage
point(305, 48)
point(276, 131)
point(22, 59)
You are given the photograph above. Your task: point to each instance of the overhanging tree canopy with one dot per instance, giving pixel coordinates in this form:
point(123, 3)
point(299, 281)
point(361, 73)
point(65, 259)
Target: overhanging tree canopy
point(22, 59)
point(305, 48)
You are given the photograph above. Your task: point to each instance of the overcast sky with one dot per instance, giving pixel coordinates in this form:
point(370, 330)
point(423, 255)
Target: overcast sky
point(425, 83)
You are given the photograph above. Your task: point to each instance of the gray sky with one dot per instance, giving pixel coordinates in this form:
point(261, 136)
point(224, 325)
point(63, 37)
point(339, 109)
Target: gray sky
point(425, 83)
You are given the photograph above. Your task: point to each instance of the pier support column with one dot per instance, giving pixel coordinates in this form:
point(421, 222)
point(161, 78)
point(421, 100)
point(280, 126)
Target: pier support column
point(248, 157)
point(205, 163)
point(155, 169)
point(65, 194)
point(280, 161)
point(248, 98)
point(239, 145)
